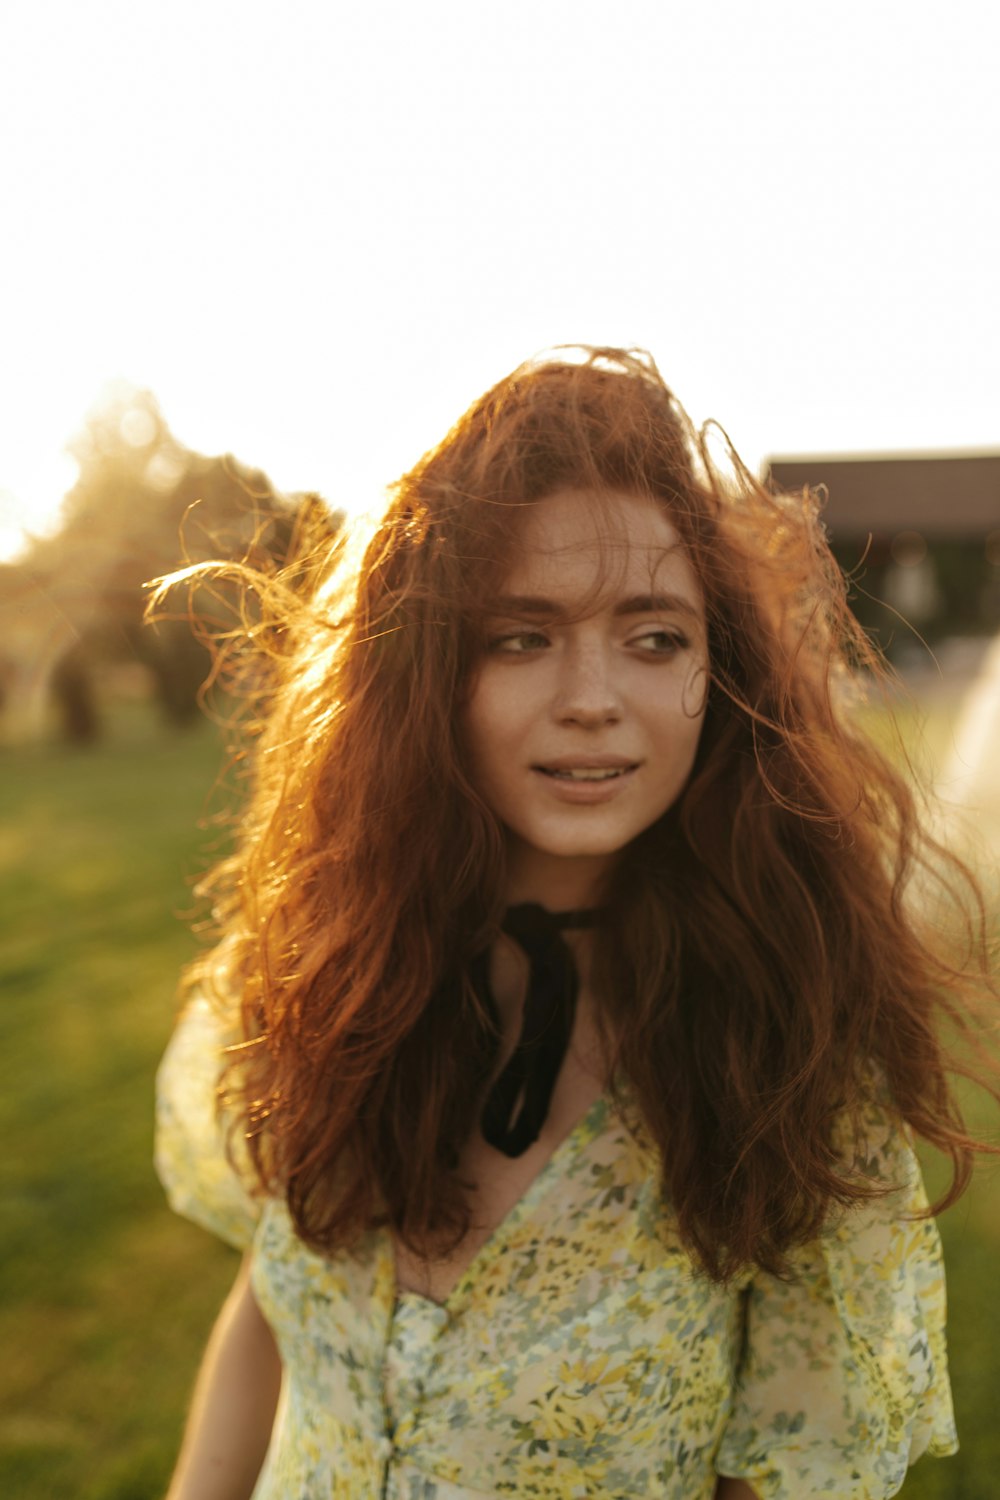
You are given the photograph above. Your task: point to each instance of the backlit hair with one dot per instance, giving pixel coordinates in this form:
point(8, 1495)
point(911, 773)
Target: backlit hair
point(774, 947)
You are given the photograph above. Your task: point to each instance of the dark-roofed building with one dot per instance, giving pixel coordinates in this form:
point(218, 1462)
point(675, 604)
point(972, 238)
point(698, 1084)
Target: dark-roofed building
point(917, 534)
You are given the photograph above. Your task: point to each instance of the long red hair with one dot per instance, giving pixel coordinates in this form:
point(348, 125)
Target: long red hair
point(764, 961)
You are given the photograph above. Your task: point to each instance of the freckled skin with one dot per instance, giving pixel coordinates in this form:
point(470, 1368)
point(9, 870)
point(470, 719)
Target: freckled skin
point(623, 683)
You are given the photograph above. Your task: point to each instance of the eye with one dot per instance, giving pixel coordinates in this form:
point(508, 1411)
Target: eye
point(661, 642)
point(517, 643)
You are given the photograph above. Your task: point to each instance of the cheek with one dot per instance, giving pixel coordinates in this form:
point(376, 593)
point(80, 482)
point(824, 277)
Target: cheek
point(694, 697)
point(488, 724)
point(694, 741)
point(681, 738)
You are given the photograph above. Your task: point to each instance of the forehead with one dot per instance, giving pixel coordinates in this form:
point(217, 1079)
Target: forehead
point(603, 542)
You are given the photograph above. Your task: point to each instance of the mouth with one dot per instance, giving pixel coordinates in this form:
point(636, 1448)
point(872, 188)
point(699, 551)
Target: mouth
point(589, 773)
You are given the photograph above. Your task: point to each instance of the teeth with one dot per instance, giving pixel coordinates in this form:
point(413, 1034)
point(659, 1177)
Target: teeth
point(597, 773)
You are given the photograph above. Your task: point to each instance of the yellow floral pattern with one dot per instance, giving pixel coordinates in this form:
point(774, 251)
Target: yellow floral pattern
point(582, 1354)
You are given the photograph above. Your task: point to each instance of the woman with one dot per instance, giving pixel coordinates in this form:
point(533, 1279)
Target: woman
point(581, 1011)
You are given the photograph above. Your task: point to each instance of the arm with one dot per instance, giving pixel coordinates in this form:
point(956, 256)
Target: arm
point(235, 1397)
point(734, 1489)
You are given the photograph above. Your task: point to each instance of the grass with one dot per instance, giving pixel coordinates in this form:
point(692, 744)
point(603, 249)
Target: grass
point(105, 1297)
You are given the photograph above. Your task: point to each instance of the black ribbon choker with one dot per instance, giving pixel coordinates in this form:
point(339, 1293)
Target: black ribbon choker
point(518, 1103)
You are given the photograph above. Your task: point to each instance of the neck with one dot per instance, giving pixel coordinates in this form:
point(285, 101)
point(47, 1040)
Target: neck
point(555, 883)
point(509, 973)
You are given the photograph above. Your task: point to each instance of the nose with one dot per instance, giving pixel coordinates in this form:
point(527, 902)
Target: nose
point(588, 692)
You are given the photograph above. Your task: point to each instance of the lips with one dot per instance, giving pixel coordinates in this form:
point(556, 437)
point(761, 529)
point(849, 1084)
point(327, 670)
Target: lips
point(587, 779)
point(587, 770)
point(586, 773)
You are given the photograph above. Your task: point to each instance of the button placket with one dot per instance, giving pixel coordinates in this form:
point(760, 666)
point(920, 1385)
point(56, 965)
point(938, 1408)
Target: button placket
point(410, 1353)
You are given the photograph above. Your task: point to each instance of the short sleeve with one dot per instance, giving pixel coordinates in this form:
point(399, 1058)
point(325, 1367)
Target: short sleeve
point(191, 1158)
point(844, 1381)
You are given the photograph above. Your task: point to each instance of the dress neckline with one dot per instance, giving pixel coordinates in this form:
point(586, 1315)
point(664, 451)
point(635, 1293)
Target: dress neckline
point(579, 1136)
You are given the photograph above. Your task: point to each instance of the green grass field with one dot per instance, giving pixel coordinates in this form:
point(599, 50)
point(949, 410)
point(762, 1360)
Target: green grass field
point(105, 1297)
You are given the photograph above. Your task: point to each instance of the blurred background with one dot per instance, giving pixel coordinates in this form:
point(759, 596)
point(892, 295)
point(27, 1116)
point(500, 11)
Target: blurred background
point(255, 255)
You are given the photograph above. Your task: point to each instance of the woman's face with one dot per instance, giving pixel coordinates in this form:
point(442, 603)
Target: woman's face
point(584, 716)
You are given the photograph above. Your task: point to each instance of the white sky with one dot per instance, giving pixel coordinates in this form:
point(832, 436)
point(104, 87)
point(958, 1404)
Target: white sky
point(317, 231)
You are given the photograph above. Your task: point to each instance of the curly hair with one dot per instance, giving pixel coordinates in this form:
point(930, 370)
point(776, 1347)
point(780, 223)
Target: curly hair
point(770, 951)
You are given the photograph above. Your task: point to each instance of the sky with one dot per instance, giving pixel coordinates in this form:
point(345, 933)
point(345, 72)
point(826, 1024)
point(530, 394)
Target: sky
point(318, 231)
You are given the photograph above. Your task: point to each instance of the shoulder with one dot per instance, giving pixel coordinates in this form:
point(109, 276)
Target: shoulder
point(844, 1368)
point(200, 1156)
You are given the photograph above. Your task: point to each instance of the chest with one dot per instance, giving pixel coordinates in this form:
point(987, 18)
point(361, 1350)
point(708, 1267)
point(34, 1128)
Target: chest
point(498, 1183)
point(580, 1338)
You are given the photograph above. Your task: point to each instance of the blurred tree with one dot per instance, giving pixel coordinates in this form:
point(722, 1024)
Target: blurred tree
point(73, 690)
point(143, 505)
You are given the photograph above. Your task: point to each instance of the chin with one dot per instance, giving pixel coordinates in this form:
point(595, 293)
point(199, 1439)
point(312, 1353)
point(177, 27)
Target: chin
point(592, 849)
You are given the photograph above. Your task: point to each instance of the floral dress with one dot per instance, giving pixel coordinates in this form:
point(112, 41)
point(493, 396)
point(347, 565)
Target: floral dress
point(581, 1353)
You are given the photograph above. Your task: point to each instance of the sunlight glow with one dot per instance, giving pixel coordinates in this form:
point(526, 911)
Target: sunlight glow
point(31, 505)
point(317, 241)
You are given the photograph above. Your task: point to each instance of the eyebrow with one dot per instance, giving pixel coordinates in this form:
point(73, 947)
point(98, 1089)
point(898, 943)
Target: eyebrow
point(640, 604)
